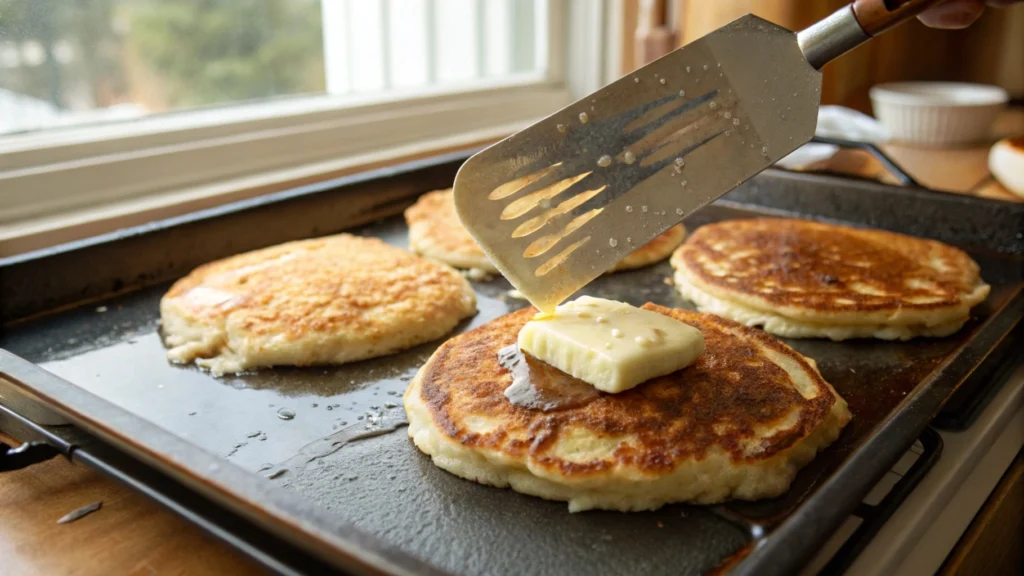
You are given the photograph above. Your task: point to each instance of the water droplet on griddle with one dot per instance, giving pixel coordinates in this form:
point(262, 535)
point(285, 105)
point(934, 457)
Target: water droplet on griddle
point(584, 117)
point(662, 80)
point(682, 93)
point(285, 414)
point(561, 128)
point(604, 161)
point(679, 211)
point(629, 208)
point(628, 157)
point(613, 242)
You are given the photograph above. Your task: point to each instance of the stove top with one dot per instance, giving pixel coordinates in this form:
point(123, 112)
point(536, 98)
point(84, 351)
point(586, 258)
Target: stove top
point(922, 529)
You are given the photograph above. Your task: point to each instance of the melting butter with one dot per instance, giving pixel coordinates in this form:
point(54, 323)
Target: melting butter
point(610, 345)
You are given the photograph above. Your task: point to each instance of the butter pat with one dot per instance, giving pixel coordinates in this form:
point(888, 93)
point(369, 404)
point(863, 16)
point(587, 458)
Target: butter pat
point(611, 345)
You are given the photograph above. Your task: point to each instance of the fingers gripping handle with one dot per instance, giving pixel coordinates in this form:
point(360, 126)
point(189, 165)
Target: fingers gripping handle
point(877, 16)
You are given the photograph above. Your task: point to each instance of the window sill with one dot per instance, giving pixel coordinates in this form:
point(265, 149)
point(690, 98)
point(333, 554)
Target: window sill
point(40, 232)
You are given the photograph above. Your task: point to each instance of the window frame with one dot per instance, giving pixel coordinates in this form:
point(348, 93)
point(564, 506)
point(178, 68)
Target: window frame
point(66, 184)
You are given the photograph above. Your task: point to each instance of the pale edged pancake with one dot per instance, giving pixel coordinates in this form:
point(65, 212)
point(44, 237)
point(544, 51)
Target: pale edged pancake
point(737, 424)
point(654, 251)
point(325, 301)
point(436, 232)
point(802, 279)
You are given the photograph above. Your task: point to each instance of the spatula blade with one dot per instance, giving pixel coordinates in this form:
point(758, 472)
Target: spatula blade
point(561, 202)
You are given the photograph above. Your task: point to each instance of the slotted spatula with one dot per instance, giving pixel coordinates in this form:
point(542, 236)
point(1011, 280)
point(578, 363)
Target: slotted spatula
point(559, 203)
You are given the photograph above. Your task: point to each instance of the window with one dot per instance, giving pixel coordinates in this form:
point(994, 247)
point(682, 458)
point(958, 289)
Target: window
point(147, 108)
point(68, 63)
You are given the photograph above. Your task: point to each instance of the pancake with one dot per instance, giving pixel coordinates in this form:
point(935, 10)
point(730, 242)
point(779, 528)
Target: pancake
point(325, 301)
point(802, 279)
point(738, 423)
point(435, 231)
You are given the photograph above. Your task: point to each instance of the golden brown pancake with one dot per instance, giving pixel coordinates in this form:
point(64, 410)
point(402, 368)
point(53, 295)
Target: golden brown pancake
point(325, 301)
point(738, 423)
point(805, 279)
point(436, 232)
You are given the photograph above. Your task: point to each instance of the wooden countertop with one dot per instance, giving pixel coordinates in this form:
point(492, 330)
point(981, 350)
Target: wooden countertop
point(128, 535)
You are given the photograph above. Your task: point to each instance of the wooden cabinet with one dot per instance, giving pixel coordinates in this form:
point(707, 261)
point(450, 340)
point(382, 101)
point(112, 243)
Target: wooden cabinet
point(991, 51)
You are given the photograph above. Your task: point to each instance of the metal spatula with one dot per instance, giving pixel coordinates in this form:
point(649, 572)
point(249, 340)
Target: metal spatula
point(562, 201)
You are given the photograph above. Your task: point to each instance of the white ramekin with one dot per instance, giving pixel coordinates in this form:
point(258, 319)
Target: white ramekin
point(938, 113)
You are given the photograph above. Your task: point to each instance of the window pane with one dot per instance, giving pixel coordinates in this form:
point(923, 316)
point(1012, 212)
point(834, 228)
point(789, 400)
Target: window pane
point(66, 62)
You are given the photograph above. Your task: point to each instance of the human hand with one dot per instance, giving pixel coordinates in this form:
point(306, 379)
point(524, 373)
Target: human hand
point(957, 14)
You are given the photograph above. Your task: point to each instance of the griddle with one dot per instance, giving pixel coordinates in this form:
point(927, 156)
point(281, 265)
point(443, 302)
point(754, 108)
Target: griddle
point(339, 486)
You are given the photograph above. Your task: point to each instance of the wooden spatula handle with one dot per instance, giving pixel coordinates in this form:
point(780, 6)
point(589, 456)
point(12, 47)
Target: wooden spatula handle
point(877, 16)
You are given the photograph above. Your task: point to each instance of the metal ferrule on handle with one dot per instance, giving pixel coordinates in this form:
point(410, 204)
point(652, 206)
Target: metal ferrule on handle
point(832, 37)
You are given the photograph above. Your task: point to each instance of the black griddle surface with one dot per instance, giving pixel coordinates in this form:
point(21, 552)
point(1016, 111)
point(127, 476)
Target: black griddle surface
point(347, 451)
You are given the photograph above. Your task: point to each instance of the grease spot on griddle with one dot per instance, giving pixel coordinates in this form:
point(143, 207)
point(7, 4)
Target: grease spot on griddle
point(380, 424)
